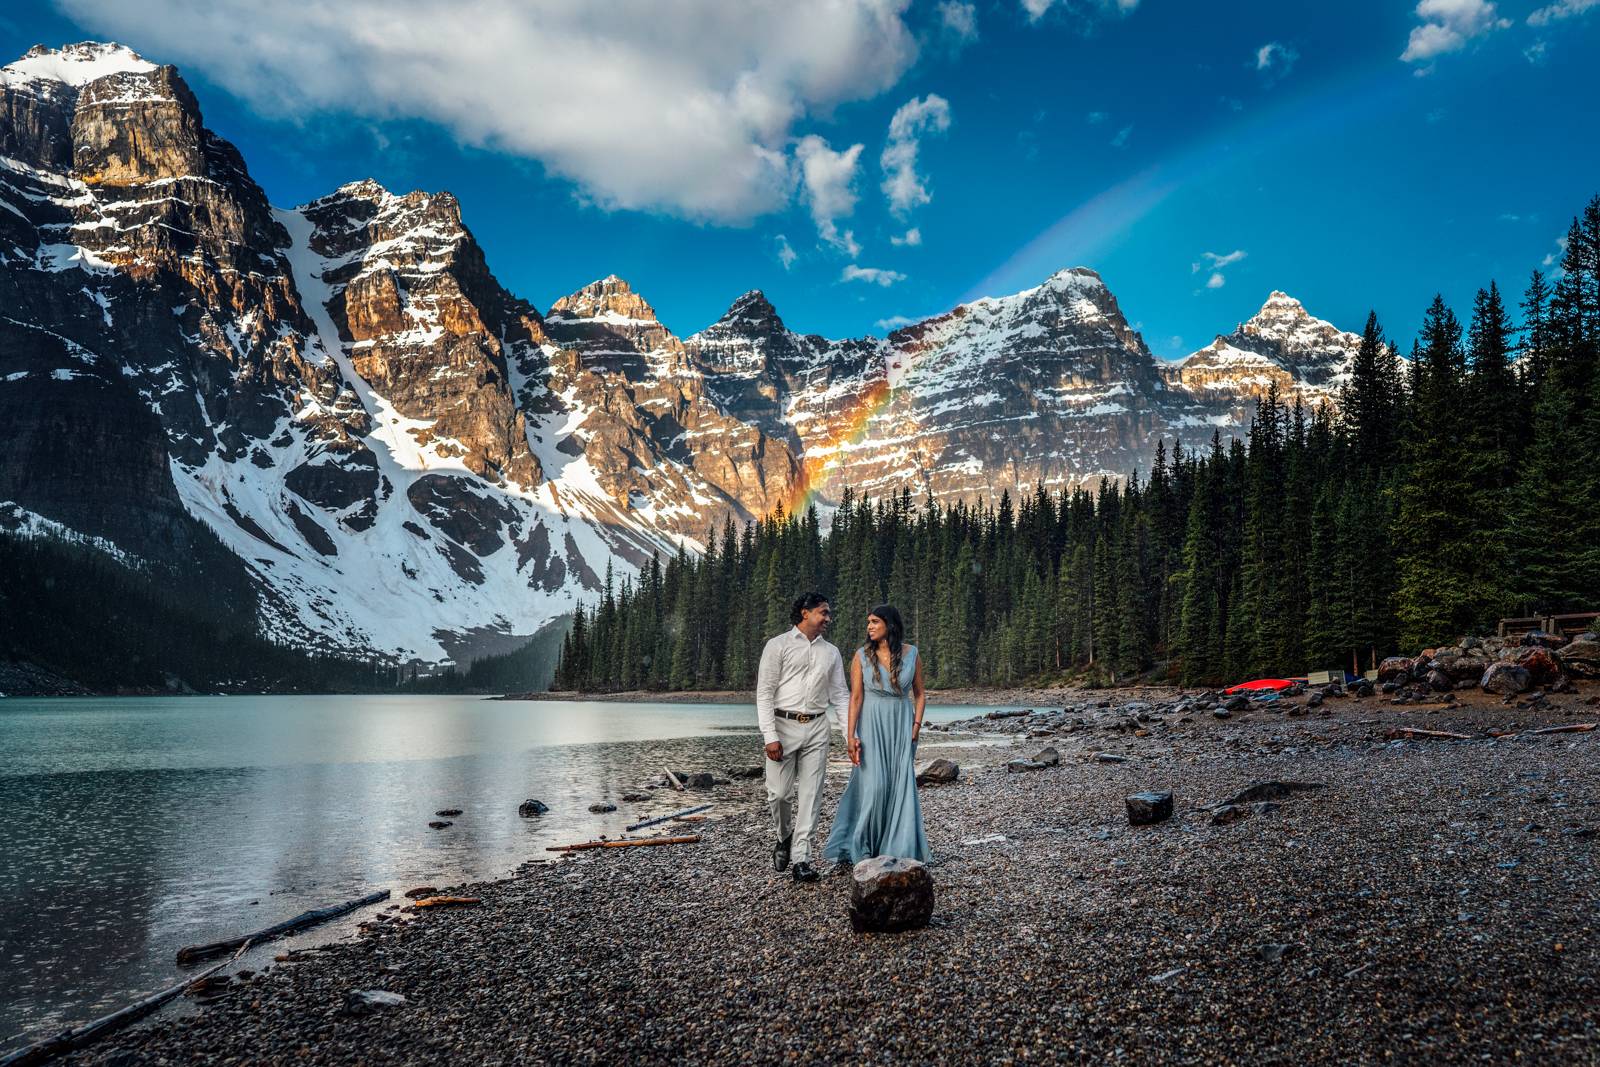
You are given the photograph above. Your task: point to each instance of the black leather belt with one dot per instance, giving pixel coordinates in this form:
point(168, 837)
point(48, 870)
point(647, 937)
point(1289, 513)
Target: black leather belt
point(801, 717)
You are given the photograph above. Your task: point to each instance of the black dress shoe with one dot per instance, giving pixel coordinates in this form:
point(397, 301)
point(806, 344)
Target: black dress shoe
point(780, 854)
point(804, 872)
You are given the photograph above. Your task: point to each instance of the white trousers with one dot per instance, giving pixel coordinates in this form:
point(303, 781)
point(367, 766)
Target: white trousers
point(794, 783)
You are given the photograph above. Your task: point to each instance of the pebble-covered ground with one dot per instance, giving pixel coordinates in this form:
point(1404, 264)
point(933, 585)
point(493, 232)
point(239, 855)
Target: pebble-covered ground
point(1436, 902)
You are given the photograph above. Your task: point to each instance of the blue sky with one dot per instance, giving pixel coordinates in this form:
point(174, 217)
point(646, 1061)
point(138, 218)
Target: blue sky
point(1198, 155)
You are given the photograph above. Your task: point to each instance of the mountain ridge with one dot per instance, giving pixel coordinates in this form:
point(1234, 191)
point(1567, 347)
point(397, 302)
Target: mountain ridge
point(411, 461)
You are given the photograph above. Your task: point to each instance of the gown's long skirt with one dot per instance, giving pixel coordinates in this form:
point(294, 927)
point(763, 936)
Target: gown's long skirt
point(879, 813)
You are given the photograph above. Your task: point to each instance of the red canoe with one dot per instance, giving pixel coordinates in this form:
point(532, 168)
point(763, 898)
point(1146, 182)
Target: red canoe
point(1273, 684)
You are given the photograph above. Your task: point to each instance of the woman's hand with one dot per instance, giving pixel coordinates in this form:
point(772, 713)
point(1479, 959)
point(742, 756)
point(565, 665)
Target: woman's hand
point(916, 729)
point(853, 746)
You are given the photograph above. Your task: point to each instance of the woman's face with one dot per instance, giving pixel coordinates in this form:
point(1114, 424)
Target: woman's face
point(875, 628)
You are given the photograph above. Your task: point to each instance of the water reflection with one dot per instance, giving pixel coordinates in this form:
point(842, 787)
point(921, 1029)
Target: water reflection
point(137, 826)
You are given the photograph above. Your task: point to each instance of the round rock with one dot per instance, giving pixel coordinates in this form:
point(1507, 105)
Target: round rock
point(891, 894)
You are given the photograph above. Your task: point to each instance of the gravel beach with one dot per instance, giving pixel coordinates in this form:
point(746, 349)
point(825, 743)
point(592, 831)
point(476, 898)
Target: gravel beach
point(1435, 902)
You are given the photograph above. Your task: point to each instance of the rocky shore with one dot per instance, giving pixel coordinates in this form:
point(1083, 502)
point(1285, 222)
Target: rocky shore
point(1433, 901)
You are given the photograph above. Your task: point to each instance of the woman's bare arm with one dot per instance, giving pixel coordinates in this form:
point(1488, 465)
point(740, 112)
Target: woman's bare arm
point(919, 699)
point(853, 738)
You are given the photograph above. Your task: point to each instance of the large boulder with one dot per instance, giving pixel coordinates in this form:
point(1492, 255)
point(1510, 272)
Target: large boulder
point(1581, 658)
point(1391, 669)
point(1462, 668)
point(1543, 666)
point(938, 772)
point(1505, 678)
point(1540, 639)
point(530, 808)
point(891, 894)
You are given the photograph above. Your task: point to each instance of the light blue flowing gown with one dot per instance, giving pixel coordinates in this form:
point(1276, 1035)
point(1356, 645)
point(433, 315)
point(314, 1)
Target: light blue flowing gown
point(879, 813)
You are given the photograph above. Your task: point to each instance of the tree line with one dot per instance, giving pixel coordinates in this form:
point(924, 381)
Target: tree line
point(1441, 492)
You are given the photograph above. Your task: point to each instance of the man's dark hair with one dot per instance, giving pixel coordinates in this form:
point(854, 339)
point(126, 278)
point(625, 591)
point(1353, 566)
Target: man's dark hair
point(804, 603)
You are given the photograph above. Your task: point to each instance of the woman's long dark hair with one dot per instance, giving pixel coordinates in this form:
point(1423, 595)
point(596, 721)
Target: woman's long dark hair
point(894, 633)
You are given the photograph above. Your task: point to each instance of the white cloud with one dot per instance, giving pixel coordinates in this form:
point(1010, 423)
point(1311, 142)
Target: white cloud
point(1562, 9)
point(827, 182)
point(894, 322)
point(1121, 139)
point(1275, 60)
point(685, 107)
point(1097, 117)
point(904, 187)
point(871, 275)
point(1447, 26)
point(911, 238)
point(1215, 262)
point(1036, 9)
point(1535, 52)
point(1555, 259)
point(959, 21)
point(786, 253)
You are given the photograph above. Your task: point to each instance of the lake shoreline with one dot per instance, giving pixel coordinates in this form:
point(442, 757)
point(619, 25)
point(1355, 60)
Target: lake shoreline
point(1417, 905)
point(1019, 696)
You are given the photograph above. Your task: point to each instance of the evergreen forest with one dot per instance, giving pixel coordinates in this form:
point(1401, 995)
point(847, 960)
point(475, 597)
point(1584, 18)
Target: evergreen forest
point(1450, 486)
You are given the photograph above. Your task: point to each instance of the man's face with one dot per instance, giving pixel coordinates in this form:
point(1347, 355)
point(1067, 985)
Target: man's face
point(818, 618)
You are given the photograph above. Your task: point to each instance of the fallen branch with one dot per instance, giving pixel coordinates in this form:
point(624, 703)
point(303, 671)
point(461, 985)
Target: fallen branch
point(664, 818)
point(80, 1036)
point(690, 818)
point(447, 902)
point(1416, 733)
point(672, 780)
point(308, 918)
point(625, 843)
point(1569, 728)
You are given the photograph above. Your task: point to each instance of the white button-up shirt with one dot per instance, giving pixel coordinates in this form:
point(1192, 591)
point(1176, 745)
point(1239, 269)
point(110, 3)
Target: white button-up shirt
point(801, 674)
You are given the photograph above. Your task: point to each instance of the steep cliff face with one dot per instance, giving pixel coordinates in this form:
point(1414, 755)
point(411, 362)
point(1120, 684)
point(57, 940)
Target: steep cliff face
point(150, 314)
point(625, 394)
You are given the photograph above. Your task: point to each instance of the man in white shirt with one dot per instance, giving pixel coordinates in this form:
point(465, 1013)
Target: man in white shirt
point(800, 676)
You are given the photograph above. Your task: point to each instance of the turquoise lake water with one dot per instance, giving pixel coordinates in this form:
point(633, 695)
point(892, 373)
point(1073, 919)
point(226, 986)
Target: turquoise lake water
point(135, 826)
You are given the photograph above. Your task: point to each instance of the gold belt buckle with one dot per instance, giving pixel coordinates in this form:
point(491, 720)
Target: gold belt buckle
point(803, 719)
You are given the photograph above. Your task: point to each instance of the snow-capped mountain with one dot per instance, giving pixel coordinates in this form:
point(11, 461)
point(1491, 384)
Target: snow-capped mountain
point(411, 461)
point(1281, 344)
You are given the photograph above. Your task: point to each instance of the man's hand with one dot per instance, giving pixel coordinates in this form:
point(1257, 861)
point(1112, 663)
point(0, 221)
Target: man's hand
point(775, 751)
point(853, 746)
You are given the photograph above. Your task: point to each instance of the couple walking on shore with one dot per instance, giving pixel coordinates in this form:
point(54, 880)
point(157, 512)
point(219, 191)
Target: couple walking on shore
point(800, 678)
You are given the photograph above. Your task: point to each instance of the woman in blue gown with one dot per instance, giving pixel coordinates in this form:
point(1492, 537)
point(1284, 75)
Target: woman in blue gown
point(879, 813)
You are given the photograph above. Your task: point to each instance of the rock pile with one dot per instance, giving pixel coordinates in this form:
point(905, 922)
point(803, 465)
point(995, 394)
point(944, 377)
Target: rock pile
point(1504, 665)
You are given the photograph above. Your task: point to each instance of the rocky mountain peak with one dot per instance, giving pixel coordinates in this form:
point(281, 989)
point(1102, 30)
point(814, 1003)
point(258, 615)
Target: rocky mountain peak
point(752, 315)
point(610, 299)
point(1283, 344)
point(75, 65)
point(360, 189)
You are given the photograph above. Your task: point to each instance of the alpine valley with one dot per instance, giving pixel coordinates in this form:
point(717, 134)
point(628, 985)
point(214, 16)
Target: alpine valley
point(340, 406)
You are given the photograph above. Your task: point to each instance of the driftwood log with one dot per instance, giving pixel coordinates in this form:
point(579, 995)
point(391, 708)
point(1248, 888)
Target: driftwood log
point(90, 1032)
point(447, 902)
point(625, 843)
point(664, 818)
point(672, 779)
point(1416, 733)
point(194, 953)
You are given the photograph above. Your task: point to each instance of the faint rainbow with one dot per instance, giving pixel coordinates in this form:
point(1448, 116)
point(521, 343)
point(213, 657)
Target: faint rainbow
point(1084, 232)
